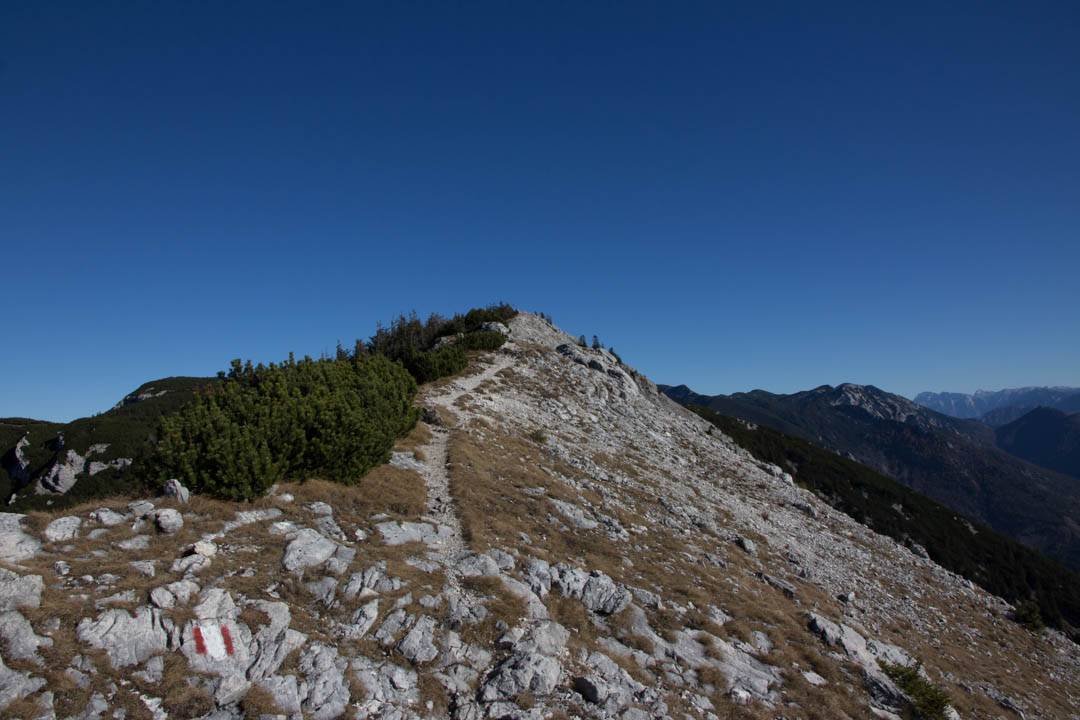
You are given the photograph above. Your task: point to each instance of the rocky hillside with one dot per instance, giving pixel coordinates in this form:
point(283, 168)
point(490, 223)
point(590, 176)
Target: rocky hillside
point(557, 539)
point(951, 460)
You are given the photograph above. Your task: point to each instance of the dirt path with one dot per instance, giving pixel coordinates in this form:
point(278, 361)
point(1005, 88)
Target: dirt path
point(441, 507)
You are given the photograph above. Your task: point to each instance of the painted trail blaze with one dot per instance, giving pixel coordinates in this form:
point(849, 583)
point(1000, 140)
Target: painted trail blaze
point(214, 640)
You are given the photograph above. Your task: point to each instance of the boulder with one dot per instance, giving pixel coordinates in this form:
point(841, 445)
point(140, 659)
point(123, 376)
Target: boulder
point(418, 644)
point(174, 489)
point(362, 620)
point(395, 533)
point(18, 591)
point(476, 565)
point(107, 517)
point(272, 643)
point(15, 544)
point(63, 529)
point(532, 667)
point(307, 549)
point(168, 521)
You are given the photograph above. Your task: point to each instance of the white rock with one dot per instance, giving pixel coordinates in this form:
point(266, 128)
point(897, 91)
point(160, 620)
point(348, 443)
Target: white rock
point(168, 521)
point(63, 529)
point(307, 549)
point(15, 544)
point(174, 489)
point(205, 548)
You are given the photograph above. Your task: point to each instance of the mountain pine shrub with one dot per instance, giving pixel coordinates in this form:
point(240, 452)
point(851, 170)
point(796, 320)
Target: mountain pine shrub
point(482, 340)
point(928, 700)
point(334, 419)
point(434, 364)
point(1027, 614)
point(411, 341)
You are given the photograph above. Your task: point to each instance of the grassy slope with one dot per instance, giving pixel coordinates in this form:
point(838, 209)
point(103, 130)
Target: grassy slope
point(998, 564)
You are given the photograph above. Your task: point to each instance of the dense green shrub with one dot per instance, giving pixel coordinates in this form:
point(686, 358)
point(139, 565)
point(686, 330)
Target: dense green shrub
point(411, 341)
point(328, 418)
point(1027, 614)
point(928, 700)
point(483, 340)
point(472, 320)
point(434, 364)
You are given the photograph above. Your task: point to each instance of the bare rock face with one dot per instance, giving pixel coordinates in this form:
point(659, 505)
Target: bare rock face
point(61, 476)
point(19, 638)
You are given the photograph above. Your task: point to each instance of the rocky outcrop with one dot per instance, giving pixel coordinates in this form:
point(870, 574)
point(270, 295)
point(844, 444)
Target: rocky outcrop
point(62, 475)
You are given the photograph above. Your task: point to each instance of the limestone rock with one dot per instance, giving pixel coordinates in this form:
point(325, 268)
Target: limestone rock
point(168, 521)
point(307, 549)
point(327, 688)
point(418, 645)
point(15, 685)
point(63, 529)
point(15, 544)
point(19, 591)
point(20, 642)
point(126, 639)
point(533, 667)
point(395, 533)
point(107, 517)
point(174, 489)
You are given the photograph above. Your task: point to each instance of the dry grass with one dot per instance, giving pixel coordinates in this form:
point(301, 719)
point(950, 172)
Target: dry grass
point(432, 691)
point(258, 702)
point(419, 436)
point(572, 615)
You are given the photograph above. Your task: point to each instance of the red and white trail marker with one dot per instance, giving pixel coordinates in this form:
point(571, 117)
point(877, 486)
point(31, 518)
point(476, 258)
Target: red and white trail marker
point(213, 639)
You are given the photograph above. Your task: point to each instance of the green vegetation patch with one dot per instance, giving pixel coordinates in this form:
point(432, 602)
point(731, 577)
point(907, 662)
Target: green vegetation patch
point(436, 347)
point(334, 419)
point(928, 700)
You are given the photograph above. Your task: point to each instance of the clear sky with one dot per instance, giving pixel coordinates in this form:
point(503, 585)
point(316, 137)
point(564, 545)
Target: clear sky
point(777, 196)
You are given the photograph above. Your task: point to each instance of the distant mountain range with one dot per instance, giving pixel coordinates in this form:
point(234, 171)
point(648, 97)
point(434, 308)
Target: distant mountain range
point(953, 460)
point(999, 407)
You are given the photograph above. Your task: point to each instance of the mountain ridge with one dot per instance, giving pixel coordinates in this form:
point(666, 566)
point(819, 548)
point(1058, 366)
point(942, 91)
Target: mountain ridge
point(553, 538)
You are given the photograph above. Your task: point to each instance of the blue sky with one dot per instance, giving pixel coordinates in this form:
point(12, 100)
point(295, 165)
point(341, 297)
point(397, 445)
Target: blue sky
point(777, 196)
